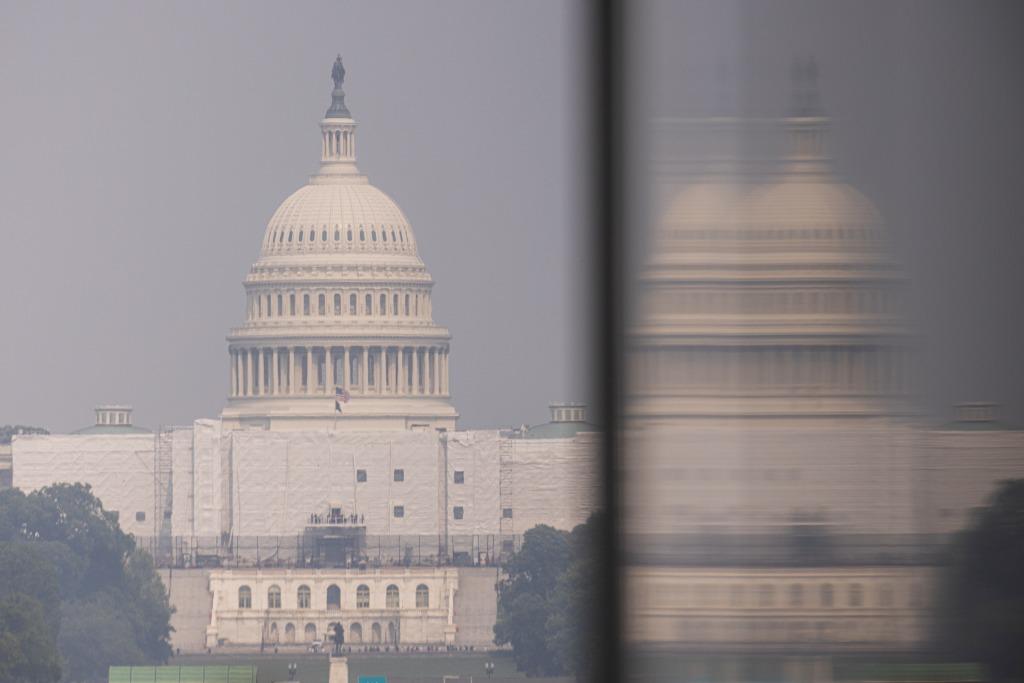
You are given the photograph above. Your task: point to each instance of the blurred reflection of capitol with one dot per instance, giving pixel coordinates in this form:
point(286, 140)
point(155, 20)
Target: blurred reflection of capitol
point(781, 492)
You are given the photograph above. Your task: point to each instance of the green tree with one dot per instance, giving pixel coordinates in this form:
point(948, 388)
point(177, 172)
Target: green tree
point(28, 653)
point(981, 596)
point(112, 605)
point(525, 599)
point(571, 626)
point(7, 432)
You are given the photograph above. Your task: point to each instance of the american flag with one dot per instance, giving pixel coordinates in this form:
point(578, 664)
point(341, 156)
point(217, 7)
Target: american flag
point(340, 396)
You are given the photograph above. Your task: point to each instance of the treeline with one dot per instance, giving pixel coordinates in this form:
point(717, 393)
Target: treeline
point(546, 598)
point(76, 595)
point(7, 432)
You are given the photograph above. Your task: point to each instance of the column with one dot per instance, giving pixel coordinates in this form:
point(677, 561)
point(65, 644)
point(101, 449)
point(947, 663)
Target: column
point(400, 385)
point(231, 373)
point(366, 367)
point(329, 375)
point(444, 371)
point(310, 376)
point(381, 379)
point(436, 365)
point(346, 371)
point(248, 374)
point(275, 369)
point(415, 371)
point(291, 369)
point(257, 377)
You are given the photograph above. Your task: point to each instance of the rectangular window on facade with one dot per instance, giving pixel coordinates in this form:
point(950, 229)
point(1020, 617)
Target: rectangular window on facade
point(399, 511)
point(506, 513)
point(399, 475)
point(140, 516)
point(460, 477)
point(458, 512)
point(361, 476)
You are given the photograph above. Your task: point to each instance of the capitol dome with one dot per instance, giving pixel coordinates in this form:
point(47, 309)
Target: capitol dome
point(771, 295)
point(339, 332)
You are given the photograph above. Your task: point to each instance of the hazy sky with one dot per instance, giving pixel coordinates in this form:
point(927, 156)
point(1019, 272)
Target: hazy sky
point(927, 102)
point(145, 146)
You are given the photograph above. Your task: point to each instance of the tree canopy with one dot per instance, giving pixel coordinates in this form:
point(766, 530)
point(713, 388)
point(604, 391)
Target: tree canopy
point(99, 597)
point(981, 594)
point(545, 601)
point(7, 432)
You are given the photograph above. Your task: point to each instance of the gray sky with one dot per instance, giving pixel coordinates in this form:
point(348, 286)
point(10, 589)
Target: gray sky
point(927, 102)
point(145, 146)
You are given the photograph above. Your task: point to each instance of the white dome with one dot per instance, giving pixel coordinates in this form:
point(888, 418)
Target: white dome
point(347, 216)
point(817, 203)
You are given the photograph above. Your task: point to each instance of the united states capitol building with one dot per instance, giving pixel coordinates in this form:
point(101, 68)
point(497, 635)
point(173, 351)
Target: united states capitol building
point(780, 492)
point(285, 515)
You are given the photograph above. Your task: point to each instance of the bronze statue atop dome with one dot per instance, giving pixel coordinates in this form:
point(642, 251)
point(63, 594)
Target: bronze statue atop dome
point(338, 72)
point(338, 110)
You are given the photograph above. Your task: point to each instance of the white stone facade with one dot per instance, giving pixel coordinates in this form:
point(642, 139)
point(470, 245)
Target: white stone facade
point(758, 609)
point(412, 606)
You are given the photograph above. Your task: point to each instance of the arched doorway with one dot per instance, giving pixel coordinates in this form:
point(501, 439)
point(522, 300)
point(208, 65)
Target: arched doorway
point(375, 633)
point(355, 633)
point(289, 633)
point(392, 633)
point(310, 633)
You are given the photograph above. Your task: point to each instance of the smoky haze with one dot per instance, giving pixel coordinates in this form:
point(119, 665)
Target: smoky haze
point(926, 103)
point(146, 146)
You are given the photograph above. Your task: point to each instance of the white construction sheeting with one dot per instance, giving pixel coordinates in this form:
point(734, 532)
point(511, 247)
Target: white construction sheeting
point(118, 467)
point(248, 483)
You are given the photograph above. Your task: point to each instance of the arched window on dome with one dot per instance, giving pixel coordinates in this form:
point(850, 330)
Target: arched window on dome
point(337, 234)
point(280, 238)
point(337, 304)
point(394, 301)
point(383, 309)
point(312, 235)
point(350, 234)
point(352, 304)
point(259, 306)
point(280, 305)
point(362, 235)
point(289, 235)
point(269, 307)
point(407, 304)
point(369, 305)
point(321, 305)
point(401, 237)
point(393, 235)
point(384, 235)
point(291, 304)
point(373, 233)
point(323, 235)
point(300, 235)
point(305, 304)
